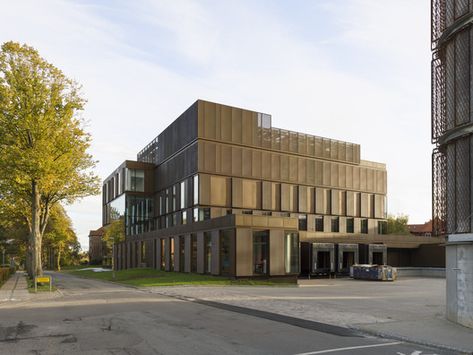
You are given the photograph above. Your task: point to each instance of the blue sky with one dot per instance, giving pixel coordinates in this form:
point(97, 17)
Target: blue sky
point(355, 70)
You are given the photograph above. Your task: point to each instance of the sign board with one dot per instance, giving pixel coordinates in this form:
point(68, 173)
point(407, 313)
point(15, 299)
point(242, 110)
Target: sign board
point(43, 279)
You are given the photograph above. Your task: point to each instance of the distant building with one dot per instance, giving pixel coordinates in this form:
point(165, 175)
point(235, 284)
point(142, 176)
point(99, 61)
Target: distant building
point(423, 230)
point(96, 247)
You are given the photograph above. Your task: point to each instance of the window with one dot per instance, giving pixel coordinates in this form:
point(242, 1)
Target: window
point(261, 252)
point(196, 189)
point(143, 252)
point(174, 198)
point(163, 254)
point(364, 226)
point(335, 225)
point(195, 216)
point(183, 194)
point(171, 253)
point(184, 217)
point(350, 225)
point(226, 242)
point(319, 224)
point(182, 254)
point(204, 214)
point(291, 252)
point(383, 228)
point(207, 252)
point(247, 212)
point(303, 222)
point(135, 180)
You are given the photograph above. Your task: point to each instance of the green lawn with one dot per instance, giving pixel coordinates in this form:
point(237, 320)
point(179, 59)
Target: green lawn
point(41, 287)
point(152, 277)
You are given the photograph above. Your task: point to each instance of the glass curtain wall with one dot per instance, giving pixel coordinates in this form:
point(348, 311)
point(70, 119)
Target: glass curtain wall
point(261, 252)
point(182, 253)
point(227, 242)
point(171, 253)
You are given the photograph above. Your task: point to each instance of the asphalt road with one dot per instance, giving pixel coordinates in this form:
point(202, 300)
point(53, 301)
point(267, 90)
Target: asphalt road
point(93, 317)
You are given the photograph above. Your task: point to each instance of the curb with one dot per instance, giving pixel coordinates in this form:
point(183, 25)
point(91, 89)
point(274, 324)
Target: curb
point(386, 335)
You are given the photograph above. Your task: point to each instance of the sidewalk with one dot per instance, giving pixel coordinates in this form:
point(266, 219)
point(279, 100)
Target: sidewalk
point(15, 289)
point(410, 309)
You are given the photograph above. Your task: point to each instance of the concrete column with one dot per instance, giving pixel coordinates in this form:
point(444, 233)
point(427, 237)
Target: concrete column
point(215, 252)
point(459, 274)
point(327, 224)
point(187, 246)
point(200, 252)
point(342, 225)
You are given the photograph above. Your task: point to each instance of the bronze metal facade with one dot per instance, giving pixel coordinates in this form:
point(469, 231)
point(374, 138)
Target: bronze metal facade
point(225, 192)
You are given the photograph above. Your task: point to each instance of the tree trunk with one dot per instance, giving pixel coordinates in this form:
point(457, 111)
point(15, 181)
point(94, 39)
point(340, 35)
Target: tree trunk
point(59, 259)
point(36, 237)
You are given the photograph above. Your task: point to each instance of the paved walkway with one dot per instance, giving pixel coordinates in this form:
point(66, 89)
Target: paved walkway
point(409, 309)
point(15, 289)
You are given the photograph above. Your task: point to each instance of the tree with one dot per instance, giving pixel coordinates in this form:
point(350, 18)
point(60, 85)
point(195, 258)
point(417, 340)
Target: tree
point(60, 236)
point(114, 233)
point(43, 144)
point(398, 224)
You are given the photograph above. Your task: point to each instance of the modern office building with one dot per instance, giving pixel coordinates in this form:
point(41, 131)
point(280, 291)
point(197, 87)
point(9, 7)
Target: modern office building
point(222, 191)
point(452, 133)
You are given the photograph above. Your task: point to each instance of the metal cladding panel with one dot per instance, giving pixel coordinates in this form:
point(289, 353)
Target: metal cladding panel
point(334, 175)
point(351, 204)
point(275, 166)
point(364, 205)
point(267, 195)
point(226, 160)
point(256, 164)
point(356, 178)
point(266, 165)
point(326, 174)
point(225, 123)
point(293, 169)
point(462, 183)
point(318, 173)
point(450, 85)
point(301, 170)
point(462, 77)
point(342, 175)
point(303, 199)
point(310, 172)
point(236, 161)
point(335, 202)
point(284, 167)
point(363, 179)
point(236, 125)
point(319, 200)
point(246, 162)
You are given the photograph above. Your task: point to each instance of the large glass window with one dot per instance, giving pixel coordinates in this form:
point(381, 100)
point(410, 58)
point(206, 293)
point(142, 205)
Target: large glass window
point(171, 253)
point(382, 227)
point(207, 252)
point(319, 224)
point(135, 180)
point(163, 254)
point(196, 189)
point(350, 225)
point(226, 250)
point(183, 194)
point(291, 252)
point(261, 252)
point(335, 224)
point(139, 214)
point(303, 222)
point(193, 253)
point(184, 217)
point(174, 198)
point(182, 254)
point(364, 226)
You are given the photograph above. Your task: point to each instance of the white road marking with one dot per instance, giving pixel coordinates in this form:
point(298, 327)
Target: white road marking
point(350, 348)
